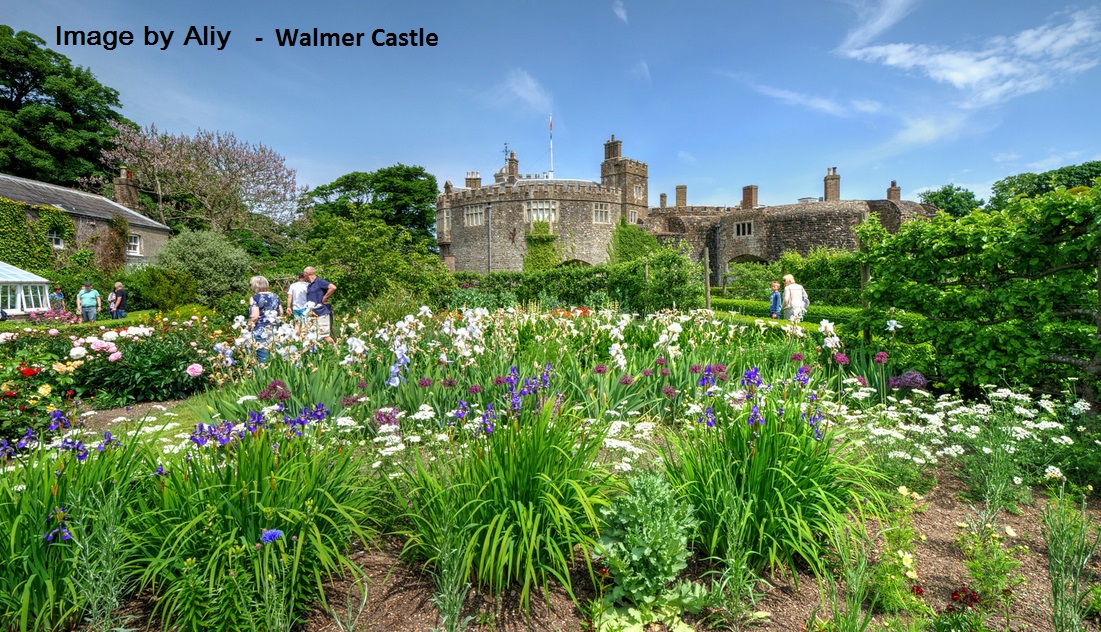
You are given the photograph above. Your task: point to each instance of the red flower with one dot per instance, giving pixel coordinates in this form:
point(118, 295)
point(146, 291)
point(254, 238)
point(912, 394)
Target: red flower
point(30, 372)
point(917, 590)
point(9, 394)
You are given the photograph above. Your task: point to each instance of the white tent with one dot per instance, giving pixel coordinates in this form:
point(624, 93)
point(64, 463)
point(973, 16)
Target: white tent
point(21, 291)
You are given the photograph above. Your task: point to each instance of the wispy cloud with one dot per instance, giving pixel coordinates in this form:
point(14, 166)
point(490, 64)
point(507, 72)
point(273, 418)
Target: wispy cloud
point(684, 156)
point(1003, 67)
point(925, 130)
point(1054, 160)
point(875, 18)
point(619, 10)
point(520, 88)
point(826, 105)
point(1006, 156)
point(641, 70)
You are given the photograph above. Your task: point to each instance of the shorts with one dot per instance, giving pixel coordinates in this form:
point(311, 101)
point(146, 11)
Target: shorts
point(324, 326)
point(299, 314)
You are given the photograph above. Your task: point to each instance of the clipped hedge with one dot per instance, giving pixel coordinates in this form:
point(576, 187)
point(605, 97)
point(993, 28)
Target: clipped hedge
point(143, 317)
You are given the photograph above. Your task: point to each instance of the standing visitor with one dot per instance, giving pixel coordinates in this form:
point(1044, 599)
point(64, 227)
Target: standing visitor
point(89, 301)
point(795, 299)
point(57, 299)
point(775, 305)
point(296, 300)
point(264, 311)
point(118, 306)
point(317, 294)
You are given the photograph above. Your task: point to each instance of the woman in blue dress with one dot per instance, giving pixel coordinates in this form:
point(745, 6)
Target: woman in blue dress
point(265, 311)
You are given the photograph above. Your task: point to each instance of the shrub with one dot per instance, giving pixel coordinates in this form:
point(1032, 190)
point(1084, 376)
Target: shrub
point(154, 287)
point(630, 243)
point(218, 267)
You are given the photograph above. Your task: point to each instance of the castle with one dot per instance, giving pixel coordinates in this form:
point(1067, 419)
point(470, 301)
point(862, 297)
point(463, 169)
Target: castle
point(482, 228)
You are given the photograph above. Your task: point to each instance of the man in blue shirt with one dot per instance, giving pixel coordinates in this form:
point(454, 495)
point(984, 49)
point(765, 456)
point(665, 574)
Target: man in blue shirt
point(317, 296)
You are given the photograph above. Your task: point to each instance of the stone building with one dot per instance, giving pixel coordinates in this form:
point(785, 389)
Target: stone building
point(483, 227)
point(91, 212)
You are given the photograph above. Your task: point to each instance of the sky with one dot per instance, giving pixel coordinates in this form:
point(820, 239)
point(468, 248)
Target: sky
point(713, 94)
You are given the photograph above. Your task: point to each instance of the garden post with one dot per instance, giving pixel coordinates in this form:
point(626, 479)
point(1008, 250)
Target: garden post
point(706, 279)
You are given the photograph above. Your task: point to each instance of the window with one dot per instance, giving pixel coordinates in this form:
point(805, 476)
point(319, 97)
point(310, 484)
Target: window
point(474, 216)
point(743, 229)
point(638, 191)
point(55, 240)
point(35, 297)
point(7, 297)
point(602, 213)
point(632, 217)
point(541, 211)
point(446, 221)
point(133, 245)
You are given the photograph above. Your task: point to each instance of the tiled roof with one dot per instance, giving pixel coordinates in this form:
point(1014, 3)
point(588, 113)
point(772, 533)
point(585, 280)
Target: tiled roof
point(71, 200)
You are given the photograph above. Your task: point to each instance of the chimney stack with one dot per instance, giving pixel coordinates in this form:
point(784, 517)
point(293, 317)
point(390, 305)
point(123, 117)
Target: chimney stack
point(126, 191)
point(749, 197)
point(473, 179)
point(894, 193)
point(613, 148)
point(832, 185)
point(663, 200)
point(682, 195)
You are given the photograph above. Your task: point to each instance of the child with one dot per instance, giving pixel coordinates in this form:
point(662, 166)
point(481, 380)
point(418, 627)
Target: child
point(296, 300)
point(774, 305)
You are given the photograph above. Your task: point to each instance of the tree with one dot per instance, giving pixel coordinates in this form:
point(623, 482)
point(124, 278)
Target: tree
point(54, 117)
point(954, 200)
point(402, 196)
point(1032, 184)
point(210, 180)
point(218, 267)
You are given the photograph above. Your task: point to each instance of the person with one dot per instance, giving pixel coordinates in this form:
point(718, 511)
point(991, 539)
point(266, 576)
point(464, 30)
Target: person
point(57, 299)
point(111, 303)
point(296, 300)
point(775, 301)
point(118, 307)
point(89, 301)
point(317, 293)
point(264, 311)
point(794, 301)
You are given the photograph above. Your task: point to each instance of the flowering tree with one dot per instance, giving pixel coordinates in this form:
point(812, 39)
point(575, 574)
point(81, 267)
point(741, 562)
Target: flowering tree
point(209, 180)
point(1008, 294)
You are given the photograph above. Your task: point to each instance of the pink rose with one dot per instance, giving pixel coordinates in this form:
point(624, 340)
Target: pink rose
point(195, 370)
point(53, 332)
point(115, 357)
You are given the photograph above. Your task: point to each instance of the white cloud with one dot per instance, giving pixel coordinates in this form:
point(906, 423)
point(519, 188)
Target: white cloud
point(520, 88)
point(925, 130)
point(619, 10)
point(1054, 161)
point(1004, 67)
point(875, 19)
point(865, 106)
point(826, 105)
point(642, 70)
point(1006, 156)
point(684, 156)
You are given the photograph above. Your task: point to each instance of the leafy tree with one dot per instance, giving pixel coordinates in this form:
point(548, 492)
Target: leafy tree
point(1010, 295)
point(210, 180)
point(630, 243)
point(1032, 184)
point(954, 200)
point(54, 117)
point(218, 267)
point(402, 196)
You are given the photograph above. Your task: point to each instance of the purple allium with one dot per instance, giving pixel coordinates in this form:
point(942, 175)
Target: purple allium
point(449, 382)
point(665, 372)
point(695, 368)
point(600, 369)
point(718, 368)
point(361, 384)
point(499, 380)
point(647, 373)
point(387, 416)
point(880, 358)
point(270, 535)
point(797, 357)
point(474, 389)
point(626, 380)
point(723, 377)
point(894, 382)
point(913, 379)
point(425, 382)
point(861, 380)
point(661, 362)
point(350, 400)
point(840, 358)
point(669, 391)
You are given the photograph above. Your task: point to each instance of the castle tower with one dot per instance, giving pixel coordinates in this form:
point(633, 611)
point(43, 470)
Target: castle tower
point(631, 177)
point(832, 183)
point(894, 192)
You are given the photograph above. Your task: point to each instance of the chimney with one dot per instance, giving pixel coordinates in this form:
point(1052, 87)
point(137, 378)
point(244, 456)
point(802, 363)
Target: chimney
point(512, 171)
point(894, 193)
point(749, 197)
point(682, 195)
point(126, 191)
point(833, 185)
point(473, 179)
point(613, 148)
point(663, 200)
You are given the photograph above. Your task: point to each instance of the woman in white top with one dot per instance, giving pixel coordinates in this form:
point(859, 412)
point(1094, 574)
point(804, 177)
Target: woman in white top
point(794, 300)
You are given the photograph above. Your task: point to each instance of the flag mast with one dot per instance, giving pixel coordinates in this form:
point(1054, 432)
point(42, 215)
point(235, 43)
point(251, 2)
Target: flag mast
point(552, 146)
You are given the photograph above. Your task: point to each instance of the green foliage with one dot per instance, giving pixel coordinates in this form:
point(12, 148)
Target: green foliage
point(893, 575)
point(829, 275)
point(543, 251)
point(1007, 294)
point(24, 244)
point(54, 117)
point(154, 287)
point(954, 200)
point(527, 496)
point(1033, 185)
point(1071, 536)
point(151, 370)
point(750, 282)
point(218, 267)
point(630, 243)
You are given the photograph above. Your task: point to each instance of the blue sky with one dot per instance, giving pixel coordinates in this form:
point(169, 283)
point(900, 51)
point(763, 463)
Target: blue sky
point(714, 95)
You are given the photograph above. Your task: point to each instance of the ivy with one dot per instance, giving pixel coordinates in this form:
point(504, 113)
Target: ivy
point(24, 242)
point(543, 252)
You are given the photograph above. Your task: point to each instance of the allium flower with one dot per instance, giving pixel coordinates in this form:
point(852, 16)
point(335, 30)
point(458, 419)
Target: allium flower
point(499, 380)
point(361, 384)
point(880, 358)
point(449, 382)
point(669, 391)
point(474, 389)
point(841, 358)
point(270, 535)
point(425, 382)
point(626, 380)
point(894, 382)
point(600, 369)
point(647, 373)
point(661, 362)
point(387, 416)
point(862, 380)
point(797, 357)
point(913, 379)
point(695, 368)
point(194, 370)
point(665, 372)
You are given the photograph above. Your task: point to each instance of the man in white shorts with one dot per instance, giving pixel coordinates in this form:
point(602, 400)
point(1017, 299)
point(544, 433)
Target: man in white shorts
point(318, 292)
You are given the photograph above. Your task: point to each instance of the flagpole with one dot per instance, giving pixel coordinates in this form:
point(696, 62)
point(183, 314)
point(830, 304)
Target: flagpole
point(552, 146)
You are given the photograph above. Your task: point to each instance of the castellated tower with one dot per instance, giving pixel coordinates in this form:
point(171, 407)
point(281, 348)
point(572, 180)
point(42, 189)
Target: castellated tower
point(631, 177)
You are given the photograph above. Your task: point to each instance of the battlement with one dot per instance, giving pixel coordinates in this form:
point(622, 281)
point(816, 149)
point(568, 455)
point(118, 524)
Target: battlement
point(670, 211)
point(532, 190)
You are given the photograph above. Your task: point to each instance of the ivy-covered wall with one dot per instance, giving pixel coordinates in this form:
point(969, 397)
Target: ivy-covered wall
point(23, 235)
point(543, 250)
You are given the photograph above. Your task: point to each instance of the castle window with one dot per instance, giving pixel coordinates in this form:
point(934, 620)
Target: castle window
point(474, 216)
point(743, 229)
point(541, 211)
point(632, 217)
point(133, 245)
point(638, 191)
point(445, 221)
point(55, 240)
point(602, 213)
